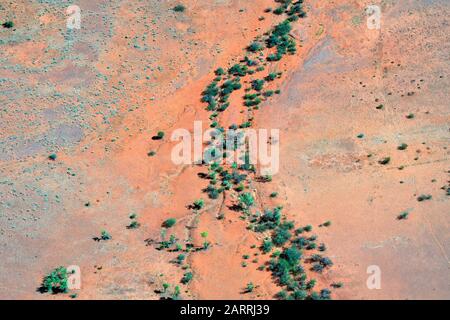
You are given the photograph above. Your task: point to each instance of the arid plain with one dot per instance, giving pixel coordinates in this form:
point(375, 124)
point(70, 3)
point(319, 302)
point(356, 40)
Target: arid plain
point(364, 119)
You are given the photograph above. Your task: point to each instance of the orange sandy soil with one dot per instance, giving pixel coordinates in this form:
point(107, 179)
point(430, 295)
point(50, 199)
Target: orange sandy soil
point(96, 96)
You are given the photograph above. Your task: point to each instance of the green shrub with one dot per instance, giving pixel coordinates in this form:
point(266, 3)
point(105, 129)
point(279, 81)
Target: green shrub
point(250, 287)
point(219, 72)
point(246, 200)
point(403, 215)
point(169, 223)
point(8, 24)
point(199, 204)
point(179, 8)
point(424, 197)
point(187, 277)
point(254, 47)
point(280, 236)
point(384, 161)
point(56, 281)
point(403, 146)
point(105, 235)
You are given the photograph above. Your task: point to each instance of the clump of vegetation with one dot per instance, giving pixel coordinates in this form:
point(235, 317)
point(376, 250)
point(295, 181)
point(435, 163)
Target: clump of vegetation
point(8, 24)
point(105, 235)
point(326, 224)
point(134, 224)
point(52, 156)
point(410, 116)
point(151, 153)
point(187, 277)
point(384, 160)
point(255, 46)
point(402, 146)
point(250, 287)
point(246, 200)
point(206, 243)
point(169, 223)
point(160, 135)
point(337, 285)
point(179, 8)
point(180, 258)
point(198, 204)
point(56, 281)
point(274, 194)
point(424, 197)
point(403, 215)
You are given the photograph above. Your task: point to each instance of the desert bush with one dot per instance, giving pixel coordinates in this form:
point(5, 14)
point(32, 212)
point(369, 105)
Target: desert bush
point(384, 161)
point(199, 204)
point(8, 24)
point(254, 47)
point(267, 245)
point(246, 200)
point(187, 277)
point(258, 84)
point(250, 287)
point(280, 236)
point(402, 146)
point(56, 281)
point(292, 255)
point(105, 235)
point(403, 216)
point(219, 72)
point(179, 8)
point(169, 223)
point(424, 197)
